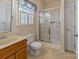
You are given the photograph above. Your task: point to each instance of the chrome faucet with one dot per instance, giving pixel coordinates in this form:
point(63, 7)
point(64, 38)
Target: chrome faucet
point(2, 36)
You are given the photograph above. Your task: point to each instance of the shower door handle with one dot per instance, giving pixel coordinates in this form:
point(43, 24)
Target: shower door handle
point(49, 34)
point(67, 29)
point(52, 22)
point(49, 31)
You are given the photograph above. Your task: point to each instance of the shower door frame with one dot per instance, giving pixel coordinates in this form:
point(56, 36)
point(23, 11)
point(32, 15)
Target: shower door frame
point(40, 29)
point(49, 24)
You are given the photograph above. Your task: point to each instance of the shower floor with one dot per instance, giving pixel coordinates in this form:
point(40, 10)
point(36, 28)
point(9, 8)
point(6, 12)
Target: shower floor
point(50, 45)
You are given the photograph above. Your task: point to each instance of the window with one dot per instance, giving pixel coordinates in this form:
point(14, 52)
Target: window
point(30, 19)
point(26, 12)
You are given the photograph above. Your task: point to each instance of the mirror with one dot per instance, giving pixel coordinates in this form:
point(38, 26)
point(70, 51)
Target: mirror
point(5, 16)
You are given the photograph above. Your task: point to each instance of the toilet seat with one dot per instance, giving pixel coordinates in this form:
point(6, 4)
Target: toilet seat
point(35, 45)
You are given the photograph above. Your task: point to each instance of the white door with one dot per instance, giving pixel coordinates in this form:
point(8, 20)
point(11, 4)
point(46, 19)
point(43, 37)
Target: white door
point(70, 17)
point(55, 26)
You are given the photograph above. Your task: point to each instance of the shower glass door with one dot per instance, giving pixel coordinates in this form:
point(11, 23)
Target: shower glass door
point(55, 26)
point(44, 26)
point(50, 26)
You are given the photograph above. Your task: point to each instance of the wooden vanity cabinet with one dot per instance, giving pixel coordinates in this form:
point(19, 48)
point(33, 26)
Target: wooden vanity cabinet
point(15, 51)
point(21, 54)
point(11, 57)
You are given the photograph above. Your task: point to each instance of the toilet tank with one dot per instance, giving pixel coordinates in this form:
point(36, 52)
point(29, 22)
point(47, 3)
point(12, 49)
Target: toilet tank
point(30, 38)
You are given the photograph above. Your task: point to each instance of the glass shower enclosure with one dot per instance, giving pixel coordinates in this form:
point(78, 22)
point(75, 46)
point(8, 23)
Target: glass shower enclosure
point(50, 26)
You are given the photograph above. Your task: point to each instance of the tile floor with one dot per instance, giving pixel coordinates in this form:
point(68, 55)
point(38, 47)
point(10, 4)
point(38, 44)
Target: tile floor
point(52, 53)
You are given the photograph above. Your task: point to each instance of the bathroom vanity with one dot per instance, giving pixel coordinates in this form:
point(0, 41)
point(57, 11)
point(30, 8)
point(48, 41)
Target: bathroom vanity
point(13, 49)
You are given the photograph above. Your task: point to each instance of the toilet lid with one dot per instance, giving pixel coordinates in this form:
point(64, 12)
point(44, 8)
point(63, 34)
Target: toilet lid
point(36, 44)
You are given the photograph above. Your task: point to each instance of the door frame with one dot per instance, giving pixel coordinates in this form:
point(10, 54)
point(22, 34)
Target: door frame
point(49, 23)
point(74, 28)
point(40, 29)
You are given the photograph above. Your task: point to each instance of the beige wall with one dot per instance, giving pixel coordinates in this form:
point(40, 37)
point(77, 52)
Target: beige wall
point(68, 1)
point(55, 4)
point(62, 24)
point(38, 4)
point(20, 29)
point(26, 29)
point(51, 4)
point(39, 8)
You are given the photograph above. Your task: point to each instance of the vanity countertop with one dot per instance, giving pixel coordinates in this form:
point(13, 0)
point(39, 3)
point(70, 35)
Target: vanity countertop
point(10, 40)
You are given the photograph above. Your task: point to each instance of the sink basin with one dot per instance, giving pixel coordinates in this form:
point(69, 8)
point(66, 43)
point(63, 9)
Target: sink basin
point(8, 40)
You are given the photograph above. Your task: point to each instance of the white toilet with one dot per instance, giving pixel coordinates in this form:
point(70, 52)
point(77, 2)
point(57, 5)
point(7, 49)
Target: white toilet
point(34, 47)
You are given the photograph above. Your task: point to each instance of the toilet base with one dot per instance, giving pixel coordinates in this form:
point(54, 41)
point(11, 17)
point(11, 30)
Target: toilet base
point(35, 52)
